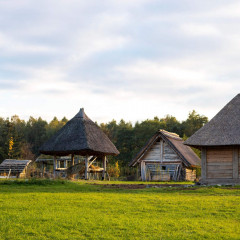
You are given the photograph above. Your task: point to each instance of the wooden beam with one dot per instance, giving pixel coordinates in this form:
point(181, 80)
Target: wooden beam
point(43, 169)
point(235, 162)
point(104, 167)
point(143, 171)
point(72, 159)
point(86, 168)
point(54, 166)
point(204, 163)
point(65, 163)
point(92, 162)
point(161, 150)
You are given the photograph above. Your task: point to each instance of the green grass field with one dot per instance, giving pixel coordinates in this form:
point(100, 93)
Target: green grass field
point(81, 210)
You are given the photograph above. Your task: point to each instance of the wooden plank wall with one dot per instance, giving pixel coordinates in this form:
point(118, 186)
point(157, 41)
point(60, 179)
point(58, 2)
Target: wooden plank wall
point(239, 163)
point(219, 163)
point(159, 153)
point(154, 154)
point(169, 154)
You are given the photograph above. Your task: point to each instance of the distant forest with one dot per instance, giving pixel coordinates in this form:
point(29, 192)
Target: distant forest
point(22, 139)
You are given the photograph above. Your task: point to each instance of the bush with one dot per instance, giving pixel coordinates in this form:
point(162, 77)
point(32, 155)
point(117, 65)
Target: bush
point(114, 170)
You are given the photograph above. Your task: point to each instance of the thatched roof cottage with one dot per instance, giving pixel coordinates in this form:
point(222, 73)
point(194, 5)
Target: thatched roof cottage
point(219, 141)
point(165, 157)
point(80, 136)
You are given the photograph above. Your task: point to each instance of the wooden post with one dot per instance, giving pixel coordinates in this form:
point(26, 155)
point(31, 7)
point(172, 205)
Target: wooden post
point(42, 169)
point(65, 163)
point(104, 167)
point(143, 172)
point(161, 150)
point(204, 163)
point(54, 166)
point(137, 172)
point(86, 168)
point(235, 162)
point(72, 160)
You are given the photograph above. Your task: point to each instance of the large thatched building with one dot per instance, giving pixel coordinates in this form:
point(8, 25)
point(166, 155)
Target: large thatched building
point(219, 141)
point(80, 136)
point(165, 157)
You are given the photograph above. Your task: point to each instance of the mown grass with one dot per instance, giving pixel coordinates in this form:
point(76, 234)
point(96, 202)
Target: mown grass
point(79, 210)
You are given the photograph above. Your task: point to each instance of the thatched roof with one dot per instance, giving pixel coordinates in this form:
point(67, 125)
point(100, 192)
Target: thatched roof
point(79, 136)
point(189, 158)
point(222, 130)
point(16, 166)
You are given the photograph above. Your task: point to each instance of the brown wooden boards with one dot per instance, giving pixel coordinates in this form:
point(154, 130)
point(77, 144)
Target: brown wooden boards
point(219, 162)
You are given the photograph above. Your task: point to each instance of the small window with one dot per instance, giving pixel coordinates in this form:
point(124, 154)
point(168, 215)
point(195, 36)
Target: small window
point(61, 165)
point(164, 168)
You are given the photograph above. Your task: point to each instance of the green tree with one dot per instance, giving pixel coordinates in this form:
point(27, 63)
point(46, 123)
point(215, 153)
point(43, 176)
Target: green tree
point(4, 140)
point(36, 133)
point(194, 122)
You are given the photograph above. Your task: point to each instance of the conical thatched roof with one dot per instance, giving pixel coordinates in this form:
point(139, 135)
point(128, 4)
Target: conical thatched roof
point(79, 136)
point(223, 129)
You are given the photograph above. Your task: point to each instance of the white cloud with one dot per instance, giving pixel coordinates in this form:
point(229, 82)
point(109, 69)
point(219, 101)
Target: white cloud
point(10, 46)
point(199, 29)
point(125, 59)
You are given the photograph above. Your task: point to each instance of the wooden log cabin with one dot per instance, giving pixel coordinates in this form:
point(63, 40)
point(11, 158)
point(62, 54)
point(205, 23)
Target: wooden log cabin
point(165, 158)
point(219, 141)
point(80, 137)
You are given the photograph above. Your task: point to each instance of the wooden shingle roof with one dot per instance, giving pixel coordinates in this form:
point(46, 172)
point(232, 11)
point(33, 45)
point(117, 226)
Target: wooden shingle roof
point(79, 136)
point(16, 166)
point(222, 130)
point(189, 158)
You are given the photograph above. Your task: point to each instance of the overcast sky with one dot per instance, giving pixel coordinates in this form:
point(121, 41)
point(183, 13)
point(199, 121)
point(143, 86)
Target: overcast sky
point(130, 59)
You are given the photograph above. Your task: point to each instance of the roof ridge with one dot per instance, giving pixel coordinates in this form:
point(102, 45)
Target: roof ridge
point(170, 134)
point(82, 114)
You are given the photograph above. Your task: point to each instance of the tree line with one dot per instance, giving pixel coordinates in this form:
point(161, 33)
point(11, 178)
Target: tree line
point(21, 139)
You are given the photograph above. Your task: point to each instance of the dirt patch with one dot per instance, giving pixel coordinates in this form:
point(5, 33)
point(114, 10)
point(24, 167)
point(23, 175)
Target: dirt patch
point(124, 186)
point(141, 186)
point(230, 188)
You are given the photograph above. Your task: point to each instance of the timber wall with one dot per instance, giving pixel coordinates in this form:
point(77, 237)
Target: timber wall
point(220, 165)
point(161, 151)
point(239, 163)
point(161, 162)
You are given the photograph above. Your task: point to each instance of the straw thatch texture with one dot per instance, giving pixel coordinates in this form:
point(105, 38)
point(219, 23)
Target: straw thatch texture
point(223, 129)
point(79, 136)
point(189, 158)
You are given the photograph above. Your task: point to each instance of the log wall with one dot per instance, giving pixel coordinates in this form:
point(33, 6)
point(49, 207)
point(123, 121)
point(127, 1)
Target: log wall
point(219, 163)
point(161, 151)
point(160, 163)
point(239, 163)
point(153, 154)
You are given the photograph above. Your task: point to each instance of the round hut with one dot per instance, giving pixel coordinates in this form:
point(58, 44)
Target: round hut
point(80, 136)
point(219, 141)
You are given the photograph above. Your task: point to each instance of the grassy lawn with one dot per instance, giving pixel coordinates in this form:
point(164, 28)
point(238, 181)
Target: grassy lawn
point(81, 210)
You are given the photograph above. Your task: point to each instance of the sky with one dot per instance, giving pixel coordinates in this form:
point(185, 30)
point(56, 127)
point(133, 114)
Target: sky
point(128, 59)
